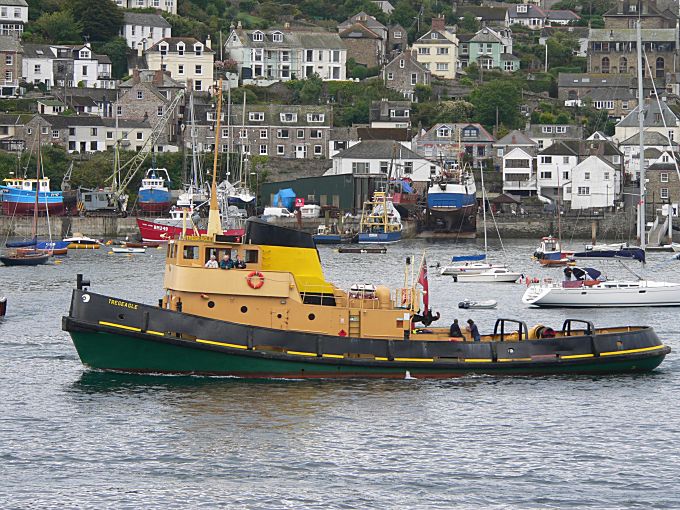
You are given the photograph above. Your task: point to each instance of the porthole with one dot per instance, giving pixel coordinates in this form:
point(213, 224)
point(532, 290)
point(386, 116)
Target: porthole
point(244, 309)
point(211, 304)
point(278, 316)
point(121, 316)
point(311, 316)
point(511, 350)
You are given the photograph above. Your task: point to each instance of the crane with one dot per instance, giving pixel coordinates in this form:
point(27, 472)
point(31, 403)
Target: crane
point(131, 167)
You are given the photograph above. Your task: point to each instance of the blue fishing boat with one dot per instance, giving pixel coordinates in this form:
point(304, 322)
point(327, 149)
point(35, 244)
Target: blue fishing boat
point(18, 197)
point(380, 221)
point(451, 197)
point(154, 194)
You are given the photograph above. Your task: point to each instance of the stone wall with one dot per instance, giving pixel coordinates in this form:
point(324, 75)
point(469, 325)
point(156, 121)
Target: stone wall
point(63, 226)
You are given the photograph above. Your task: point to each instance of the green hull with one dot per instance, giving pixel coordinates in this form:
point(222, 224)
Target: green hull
point(144, 353)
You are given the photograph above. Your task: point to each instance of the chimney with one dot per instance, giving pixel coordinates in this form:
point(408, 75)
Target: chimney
point(140, 50)
point(208, 42)
point(157, 77)
point(135, 75)
point(439, 23)
point(286, 25)
point(238, 25)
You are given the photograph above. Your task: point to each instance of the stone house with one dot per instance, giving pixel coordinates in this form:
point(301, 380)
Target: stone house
point(187, 59)
point(144, 30)
point(169, 6)
point(617, 102)
point(146, 97)
point(390, 114)
point(11, 54)
point(663, 184)
point(277, 131)
point(595, 184)
point(404, 72)
point(437, 50)
point(12, 131)
point(283, 54)
point(658, 117)
point(383, 157)
point(13, 16)
point(397, 40)
point(446, 141)
point(363, 45)
point(652, 13)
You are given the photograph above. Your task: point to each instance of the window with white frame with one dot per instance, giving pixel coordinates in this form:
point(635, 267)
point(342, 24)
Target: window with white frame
point(603, 105)
point(36, 68)
point(263, 133)
point(9, 60)
point(180, 69)
point(318, 150)
point(664, 193)
point(180, 49)
point(546, 160)
point(606, 176)
point(434, 35)
point(277, 37)
point(384, 167)
point(198, 50)
point(560, 129)
point(315, 133)
point(414, 78)
point(263, 150)
point(397, 34)
point(55, 133)
point(300, 133)
point(163, 49)
point(624, 105)
point(8, 76)
point(256, 116)
point(500, 152)
point(288, 117)
point(93, 131)
point(546, 175)
point(547, 129)
point(243, 133)
point(198, 69)
point(565, 160)
point(119, 110)
point(522, 8)
point(159, 111)
point(540, 144)
point(198, 85)
point(443, 132)
point(583, 190)
point(109, 135)
point(423, 51)
point(44, 130)
point(442, 66)
point(390, 76)
point(401, 63)
point(282, 133)
point(586, 176)
point(565, 175)
point(408, 167)
point(360, 167)
point(258, 36)
point(140, 94)
point(280, 150)
point(442, 51)
point(470, 132)
point(664, 177)
point(315, 117)
point(140, 135)
point(225, 132)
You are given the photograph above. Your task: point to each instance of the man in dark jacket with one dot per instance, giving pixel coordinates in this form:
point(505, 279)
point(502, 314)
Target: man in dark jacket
point(454, 331)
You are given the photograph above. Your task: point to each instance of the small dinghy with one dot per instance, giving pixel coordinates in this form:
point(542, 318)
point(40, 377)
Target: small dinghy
point(480, 305)
point(127, 249)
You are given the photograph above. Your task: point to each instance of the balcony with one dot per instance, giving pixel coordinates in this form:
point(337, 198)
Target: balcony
point(522, 185)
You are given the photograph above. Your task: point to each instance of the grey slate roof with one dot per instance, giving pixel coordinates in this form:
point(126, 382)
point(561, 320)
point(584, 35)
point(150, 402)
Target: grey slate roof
point(145, 19)
point(515, 137)
point(650, 138)
point(9, 44)
point(581, 148)
point(562, 15)
point(292, 39)
point(172, 43)
point(485, 35)
point(377, 149)
point(147, 75)
point(609, 94)
point(365, 19)
point(427, 38)
point(484, 13)
point(577, 32)
point(532, 12)
point(629, 34)
point(594, 80)
point(652, 116)
point(14, 3)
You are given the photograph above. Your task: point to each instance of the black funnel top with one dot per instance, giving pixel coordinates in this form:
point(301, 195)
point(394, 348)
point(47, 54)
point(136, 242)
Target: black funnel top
point(259, 231)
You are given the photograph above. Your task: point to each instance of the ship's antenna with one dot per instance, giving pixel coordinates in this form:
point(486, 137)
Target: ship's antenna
point(214, 223)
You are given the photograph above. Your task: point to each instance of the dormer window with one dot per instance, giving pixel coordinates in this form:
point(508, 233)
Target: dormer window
point(256, 116)
point(633, 8)
point(84, 54)
point(258, 36)
point(522, 8)
point(198, 49)
point(180, 49)
point(443, 132)
point(315, 117)
point(163, 49)
point(434, 35)
point(277, 37)
point(288, 117)
point(397, 34)
point(469, 133)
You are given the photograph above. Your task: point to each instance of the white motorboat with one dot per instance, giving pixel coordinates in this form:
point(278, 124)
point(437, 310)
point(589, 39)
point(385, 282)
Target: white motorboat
point(469, 268)
point(79, 241)
point(127, 249)
point(494, 275)
point(478, 305)
point(593, 294)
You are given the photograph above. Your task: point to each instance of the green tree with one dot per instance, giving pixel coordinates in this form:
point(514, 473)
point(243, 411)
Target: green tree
point(58, 27)
point(469, 24)
point(101, 19)
point(310, 93)
point(404, 13)
point(500, 96)
point(455, 111)
point(423, 92)
point(117, 50)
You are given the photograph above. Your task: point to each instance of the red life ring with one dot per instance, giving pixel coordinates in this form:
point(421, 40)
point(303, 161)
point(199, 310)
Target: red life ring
point(255, 279)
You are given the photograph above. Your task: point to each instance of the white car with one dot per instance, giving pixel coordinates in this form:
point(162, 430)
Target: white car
point(277, 212)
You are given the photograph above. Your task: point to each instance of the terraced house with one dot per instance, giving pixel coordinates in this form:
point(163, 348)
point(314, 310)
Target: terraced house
point(187, 59)
point(489, 49)
point(267, 56)
point(447, 141)
point(437, 50)
point(66, 66)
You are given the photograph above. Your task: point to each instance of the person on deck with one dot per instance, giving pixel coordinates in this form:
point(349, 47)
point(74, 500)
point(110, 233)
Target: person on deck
point(226, 262)
point(238, 263)
point(474, 331)
point(212, 263)
point(454, 331)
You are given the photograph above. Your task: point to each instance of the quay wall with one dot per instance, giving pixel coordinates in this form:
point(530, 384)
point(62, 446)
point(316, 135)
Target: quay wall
point(612, 226)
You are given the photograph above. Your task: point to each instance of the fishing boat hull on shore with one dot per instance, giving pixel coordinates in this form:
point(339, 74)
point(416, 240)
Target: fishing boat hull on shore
point(112, 334)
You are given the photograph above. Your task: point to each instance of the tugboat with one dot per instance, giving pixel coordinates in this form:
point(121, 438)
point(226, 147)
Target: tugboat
point(279, 317)
point(273, 314)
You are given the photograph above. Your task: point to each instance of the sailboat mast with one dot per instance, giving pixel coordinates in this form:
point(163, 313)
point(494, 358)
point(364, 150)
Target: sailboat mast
point(641, 102)
point(214, 223)
point(241, 177)
point(481, 173)
point(37, 191)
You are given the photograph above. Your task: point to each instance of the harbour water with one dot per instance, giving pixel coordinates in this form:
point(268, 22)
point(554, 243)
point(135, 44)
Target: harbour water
point(73, 438)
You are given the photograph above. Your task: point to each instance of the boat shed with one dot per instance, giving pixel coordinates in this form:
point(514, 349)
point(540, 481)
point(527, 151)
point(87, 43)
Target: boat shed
point(345, 192)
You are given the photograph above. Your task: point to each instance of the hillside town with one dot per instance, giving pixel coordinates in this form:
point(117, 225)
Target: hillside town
point(541, 97)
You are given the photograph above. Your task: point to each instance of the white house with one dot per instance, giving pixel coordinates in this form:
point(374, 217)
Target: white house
point(595, 183)
point(658, 117)
point(554, 169)
point(66, 66)
point(519, 176)
point(160, 5)
point(655, 144)
point(376, 156)
point(13, 15)
point(144, 29)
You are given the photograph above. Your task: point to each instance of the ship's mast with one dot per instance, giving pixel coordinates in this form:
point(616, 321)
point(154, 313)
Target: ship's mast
point(641, 103)
point(214, 224)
